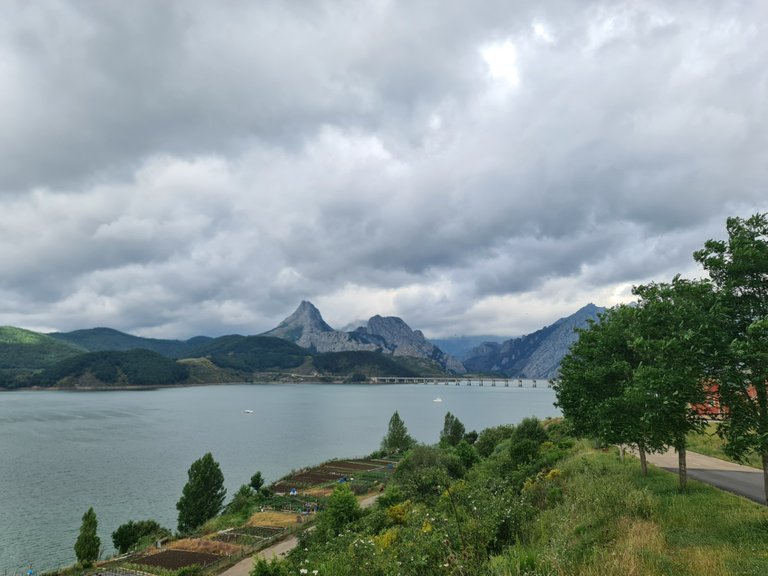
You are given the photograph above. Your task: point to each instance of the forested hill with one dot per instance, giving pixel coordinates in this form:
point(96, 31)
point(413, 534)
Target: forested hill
point(113, 368)
point(98, 339)
point(23, 351)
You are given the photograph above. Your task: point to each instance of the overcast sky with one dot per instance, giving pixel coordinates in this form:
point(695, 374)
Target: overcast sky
point(180, 168)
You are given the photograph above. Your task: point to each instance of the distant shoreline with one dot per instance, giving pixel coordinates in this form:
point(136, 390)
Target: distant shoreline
point(166, 386)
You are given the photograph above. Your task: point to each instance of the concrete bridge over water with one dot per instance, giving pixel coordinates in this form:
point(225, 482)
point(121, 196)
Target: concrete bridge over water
point(465, 381)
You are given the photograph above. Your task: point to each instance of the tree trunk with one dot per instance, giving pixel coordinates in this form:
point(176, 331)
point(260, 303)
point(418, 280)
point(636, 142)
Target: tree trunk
point(682, 467)
point(643, 461)
point(765, 475)
point(622, 449)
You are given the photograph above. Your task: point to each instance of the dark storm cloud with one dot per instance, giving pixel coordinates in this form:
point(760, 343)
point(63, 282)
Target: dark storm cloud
point(187, 167)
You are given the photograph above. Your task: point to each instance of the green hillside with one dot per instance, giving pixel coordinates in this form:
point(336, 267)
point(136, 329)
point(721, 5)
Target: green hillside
point(98, 339)
point(251, 353)
point(114, 368)
point(360, 363)
point(23, 352)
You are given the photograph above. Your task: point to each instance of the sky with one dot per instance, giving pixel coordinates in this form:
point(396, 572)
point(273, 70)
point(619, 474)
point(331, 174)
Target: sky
point(178, 168)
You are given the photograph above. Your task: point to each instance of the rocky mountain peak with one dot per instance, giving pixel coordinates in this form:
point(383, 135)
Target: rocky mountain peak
point(390, 335)
point(300, 326)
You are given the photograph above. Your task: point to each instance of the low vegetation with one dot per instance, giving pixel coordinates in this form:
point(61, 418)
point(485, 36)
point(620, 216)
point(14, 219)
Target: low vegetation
point(540, 503)
point(528, 499)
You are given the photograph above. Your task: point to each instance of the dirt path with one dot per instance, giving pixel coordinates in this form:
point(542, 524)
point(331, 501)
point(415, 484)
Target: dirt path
point(244, 567)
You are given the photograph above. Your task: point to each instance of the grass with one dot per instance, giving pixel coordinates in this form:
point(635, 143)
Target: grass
point(612, 520)
point(710, 444)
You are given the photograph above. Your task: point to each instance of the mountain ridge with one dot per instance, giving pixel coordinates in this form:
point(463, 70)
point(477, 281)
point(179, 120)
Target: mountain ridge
point(535, 355)
point(389, 335)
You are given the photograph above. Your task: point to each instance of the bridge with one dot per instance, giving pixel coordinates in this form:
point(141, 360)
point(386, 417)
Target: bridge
point(465, 381)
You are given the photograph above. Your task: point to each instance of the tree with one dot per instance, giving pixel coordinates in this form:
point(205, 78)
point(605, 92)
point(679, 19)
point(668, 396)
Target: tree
point(738, 268)
point(637, 376)
point(203, 495)
point(527, 438)
point(596, 389)
point(257, 481)
point(341, 508)
point(129, 534)
point(273, 567)
point(88, 543)
point(241, 501)
point(397, 438)
point(453, 430)
point(675, 337)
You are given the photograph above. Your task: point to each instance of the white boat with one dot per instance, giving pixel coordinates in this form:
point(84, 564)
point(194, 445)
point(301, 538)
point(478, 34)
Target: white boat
point(248, 411)
point(437, 400)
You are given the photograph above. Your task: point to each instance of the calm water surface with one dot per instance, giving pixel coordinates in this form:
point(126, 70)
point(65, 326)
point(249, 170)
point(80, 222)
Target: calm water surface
point(127, 453)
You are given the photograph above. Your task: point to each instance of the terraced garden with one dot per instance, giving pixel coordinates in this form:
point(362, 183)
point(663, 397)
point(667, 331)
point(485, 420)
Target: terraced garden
point(362, 472)
point(293, 502)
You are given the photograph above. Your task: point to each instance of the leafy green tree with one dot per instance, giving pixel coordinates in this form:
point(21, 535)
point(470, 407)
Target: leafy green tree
point(202, 496)
point(489, 438)
point(527, 437)
point(453, 430)
point(738, 268)
point(596, 389)
point(257, 481)
point(675, 337)
point(341, 509)
point(129, 534)
point(635, 377)
point(467, 453)
point(88, 542)
point(397, 439)
point(273, 567)
point(241, 501)
point(426, 470)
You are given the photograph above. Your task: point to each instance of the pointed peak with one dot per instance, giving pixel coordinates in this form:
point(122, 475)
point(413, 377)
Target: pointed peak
point(305, 320)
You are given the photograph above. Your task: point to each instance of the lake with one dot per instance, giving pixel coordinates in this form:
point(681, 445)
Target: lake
point(126, 453)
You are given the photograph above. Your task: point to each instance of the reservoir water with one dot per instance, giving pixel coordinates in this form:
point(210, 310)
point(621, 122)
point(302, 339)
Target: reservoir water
point(126, 453)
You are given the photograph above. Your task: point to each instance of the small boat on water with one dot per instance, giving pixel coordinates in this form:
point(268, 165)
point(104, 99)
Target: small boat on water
point(438, 399)
point(248, 411)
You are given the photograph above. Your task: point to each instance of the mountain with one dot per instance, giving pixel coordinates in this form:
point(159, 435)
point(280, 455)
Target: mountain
point(251, 353)
point(306, 328)
point(458, 346)
point(100, 339)
point(23, 352)
point(535, 355)
point(239, 358)
point(113, 368)
point(390, 335)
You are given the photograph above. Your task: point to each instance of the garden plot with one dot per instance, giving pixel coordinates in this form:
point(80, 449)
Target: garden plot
point(175, 559)
point(335, 471)
point(250, 535)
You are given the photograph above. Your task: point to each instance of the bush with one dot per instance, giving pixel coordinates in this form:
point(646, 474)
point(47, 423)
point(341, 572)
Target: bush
point(131, 533)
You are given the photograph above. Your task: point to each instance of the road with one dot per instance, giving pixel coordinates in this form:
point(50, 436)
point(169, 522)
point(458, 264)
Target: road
point(244, 567)
point(742, 480)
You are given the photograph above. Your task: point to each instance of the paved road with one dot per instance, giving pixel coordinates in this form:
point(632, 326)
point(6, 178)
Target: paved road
point(244, 567)
point(742, 480)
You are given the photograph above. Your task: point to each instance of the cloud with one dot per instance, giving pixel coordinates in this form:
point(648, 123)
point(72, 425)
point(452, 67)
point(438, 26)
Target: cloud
point(185, 167)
